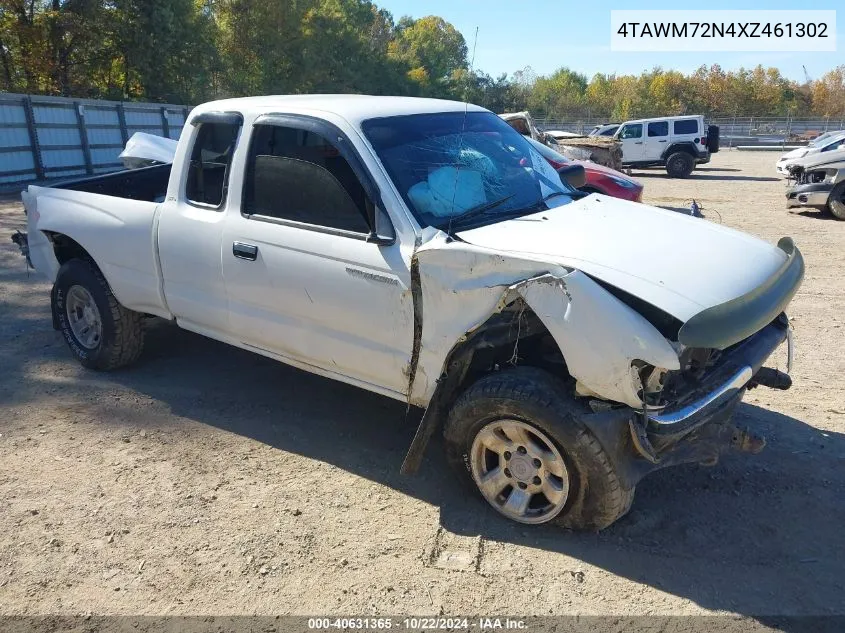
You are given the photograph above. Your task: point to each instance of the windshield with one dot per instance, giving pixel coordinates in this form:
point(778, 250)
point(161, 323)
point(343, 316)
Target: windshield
point(832, 143)
point(457, 169)
point(824, 138)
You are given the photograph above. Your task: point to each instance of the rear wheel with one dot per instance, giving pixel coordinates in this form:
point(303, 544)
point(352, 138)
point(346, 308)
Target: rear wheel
point(516, 438)
point(836, 202)
point(100, 332)
point(680, 165)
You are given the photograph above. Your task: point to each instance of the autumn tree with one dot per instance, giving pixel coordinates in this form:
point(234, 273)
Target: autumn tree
point(194, 50)
point(828, 94)
point(432, 49)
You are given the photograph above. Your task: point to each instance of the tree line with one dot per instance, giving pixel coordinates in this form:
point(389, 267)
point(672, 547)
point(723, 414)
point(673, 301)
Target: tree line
point(190, 51)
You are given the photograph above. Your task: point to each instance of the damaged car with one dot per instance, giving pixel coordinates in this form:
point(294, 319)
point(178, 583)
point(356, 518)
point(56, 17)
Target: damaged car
point(597, 178)
point(827, 142)
point(564, 345)
point(819, 184)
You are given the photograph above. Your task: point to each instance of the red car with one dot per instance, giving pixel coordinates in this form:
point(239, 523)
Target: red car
point(600, 179)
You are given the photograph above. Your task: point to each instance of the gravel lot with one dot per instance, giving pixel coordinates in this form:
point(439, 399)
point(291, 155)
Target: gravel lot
point(207, 480)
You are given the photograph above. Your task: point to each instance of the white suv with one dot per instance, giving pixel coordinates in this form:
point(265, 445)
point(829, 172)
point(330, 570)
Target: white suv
point(678, 143)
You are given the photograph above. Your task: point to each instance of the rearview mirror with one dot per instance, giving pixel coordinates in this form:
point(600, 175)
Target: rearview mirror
point(573, 175)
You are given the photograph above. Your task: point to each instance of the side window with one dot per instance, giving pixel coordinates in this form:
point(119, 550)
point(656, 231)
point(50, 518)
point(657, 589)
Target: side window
point(298, 175)
point(685, 126)
point(658, 128)
point(609, 131)
point(208, 171)
point(635, 130)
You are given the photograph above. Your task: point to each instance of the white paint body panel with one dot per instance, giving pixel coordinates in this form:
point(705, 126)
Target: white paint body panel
point(675, 262)
point(598, 335)
point(338, 303)
point(343, 307)
point(117, 232)
point(807, 155)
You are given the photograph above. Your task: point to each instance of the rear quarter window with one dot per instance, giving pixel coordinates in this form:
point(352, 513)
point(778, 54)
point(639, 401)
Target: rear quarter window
point(685, 126)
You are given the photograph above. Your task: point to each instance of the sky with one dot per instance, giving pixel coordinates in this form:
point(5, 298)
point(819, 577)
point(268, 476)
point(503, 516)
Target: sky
point(548, 34)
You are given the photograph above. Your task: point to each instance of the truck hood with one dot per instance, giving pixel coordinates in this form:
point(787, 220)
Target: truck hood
point(815, 160)
point(798, 152)
point(676, 262)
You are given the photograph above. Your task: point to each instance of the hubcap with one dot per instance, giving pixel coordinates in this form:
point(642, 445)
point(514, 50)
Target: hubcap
point(83, 317)
point(519, 471)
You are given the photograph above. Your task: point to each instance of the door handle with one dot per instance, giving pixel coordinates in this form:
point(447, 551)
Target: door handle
point(638, 142)
point(245, 251)
point(663, 141)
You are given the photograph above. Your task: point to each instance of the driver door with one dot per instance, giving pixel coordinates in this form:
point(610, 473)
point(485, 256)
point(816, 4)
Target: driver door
point(303, 281)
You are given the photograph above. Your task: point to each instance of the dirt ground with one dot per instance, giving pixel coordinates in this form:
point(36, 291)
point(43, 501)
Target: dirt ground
point(207, 480)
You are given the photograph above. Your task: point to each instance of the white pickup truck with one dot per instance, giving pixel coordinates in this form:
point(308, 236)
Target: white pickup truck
point(565, 344)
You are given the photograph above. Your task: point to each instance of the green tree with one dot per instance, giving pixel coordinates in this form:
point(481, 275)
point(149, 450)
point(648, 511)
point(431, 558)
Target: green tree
point(432, 49)
point(165, 46)
point(562, 94)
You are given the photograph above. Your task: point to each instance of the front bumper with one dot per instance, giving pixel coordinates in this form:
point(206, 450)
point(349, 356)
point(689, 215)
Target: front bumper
point(697, 429)
point(813, 195)
point(725, 383)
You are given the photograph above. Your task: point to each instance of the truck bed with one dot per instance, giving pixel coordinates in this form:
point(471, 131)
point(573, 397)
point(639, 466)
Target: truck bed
point(148, 184)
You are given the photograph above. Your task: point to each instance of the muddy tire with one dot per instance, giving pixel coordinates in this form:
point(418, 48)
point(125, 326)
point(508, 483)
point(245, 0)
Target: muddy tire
point(100, 332)
point(514, 434)
point(836, 202)
point(680, 165)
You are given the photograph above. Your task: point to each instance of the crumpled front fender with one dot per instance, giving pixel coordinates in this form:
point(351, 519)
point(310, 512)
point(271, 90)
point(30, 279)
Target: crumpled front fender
point(460, 287)
point(598, 335)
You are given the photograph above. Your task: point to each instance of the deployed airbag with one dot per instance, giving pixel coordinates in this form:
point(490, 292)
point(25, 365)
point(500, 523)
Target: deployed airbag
point(448, 190)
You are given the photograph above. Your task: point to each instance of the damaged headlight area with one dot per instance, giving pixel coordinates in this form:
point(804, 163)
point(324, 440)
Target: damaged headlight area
point(813, 176)
point(818, 175)
point(652, 381)
point(660, 387)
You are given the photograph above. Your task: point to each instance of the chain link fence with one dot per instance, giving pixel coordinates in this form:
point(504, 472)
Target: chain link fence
point(733, 130)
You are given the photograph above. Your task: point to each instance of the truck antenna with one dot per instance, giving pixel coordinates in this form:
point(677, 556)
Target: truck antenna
point(463, 128)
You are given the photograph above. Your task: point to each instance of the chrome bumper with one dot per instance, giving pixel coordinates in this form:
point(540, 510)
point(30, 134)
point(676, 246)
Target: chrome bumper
point(812, 199)
point(724, 391)
point(813, 195)
point(736, 371)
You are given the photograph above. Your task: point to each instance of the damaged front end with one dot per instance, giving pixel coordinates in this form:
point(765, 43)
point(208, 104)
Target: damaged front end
point(686, 413)
point(813, 185)
point(660, 391)
point(695, 425)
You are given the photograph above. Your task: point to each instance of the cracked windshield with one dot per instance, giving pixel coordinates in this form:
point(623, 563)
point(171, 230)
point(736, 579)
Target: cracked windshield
point(457, 170)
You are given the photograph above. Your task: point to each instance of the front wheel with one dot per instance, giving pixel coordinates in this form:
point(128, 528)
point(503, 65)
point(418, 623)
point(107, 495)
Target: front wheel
point(100, 332)
point(836, 202)
point(516, 437)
